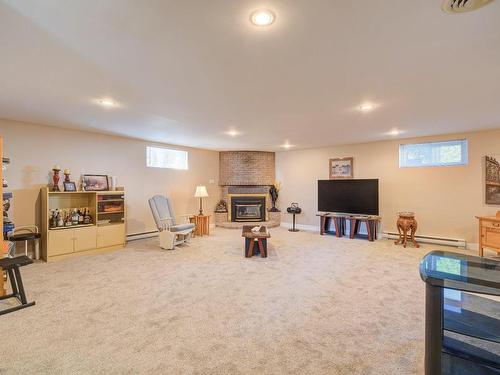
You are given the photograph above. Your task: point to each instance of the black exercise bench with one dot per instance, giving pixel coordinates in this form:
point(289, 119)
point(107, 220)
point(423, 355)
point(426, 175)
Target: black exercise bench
point(11, 265)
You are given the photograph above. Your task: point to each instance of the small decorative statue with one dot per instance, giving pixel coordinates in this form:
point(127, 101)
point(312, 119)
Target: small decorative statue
point(55, 178)
point(66, 175)
point(5, 162)
point(221, 206)
point(273, 192)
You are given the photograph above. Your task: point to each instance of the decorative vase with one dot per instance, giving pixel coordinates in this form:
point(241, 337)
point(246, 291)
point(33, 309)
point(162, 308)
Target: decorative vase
point(112, 183)
point(55, 178)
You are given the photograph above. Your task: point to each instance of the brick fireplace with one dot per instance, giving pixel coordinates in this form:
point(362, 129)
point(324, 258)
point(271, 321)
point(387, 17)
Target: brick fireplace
point(245, 178)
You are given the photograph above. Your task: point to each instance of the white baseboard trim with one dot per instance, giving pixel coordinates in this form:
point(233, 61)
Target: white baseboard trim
point(473, 246)
point(460, 243)
point(140, 236)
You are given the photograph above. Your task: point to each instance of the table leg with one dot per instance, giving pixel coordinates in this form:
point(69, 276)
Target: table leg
point(413, 230)
point(353, 228)
point(263, 252)
point(337, 227)
point(369, 230)
point(322, 224)
point(433, 329)
point(250, 248)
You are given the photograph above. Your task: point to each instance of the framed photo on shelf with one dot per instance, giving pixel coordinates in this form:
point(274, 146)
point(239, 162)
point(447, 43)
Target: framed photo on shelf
point(341, 168)
point(95, 182)
point(69, 186)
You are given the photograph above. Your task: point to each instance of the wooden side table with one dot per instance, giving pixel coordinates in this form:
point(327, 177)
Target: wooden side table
point(407, 226)
point(202, 224)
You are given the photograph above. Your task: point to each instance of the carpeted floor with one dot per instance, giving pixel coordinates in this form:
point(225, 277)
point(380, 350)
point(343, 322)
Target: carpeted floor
point(316, 305)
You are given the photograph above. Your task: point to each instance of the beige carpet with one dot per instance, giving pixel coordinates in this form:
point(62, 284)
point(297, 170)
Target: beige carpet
point(316, 305)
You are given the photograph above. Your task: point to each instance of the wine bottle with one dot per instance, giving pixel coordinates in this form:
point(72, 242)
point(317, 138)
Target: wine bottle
point(74, 217)
point(60, 221)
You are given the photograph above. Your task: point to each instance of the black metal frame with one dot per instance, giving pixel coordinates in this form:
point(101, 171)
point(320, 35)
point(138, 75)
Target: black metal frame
point(18, 292)
point(433, 329)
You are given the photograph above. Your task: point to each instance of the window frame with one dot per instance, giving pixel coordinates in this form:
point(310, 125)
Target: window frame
point(151, 147)
point(463, 142)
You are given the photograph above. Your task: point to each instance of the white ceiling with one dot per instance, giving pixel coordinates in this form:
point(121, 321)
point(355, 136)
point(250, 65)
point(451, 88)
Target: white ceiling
point(186, 71)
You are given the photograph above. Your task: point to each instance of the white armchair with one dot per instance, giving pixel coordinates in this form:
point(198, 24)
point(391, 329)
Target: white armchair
point(171, 234)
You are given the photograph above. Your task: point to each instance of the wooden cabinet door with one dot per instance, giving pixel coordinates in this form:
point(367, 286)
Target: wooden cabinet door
point(85, 238)
point(60, 242)
point(491, 238)
point(110, 235)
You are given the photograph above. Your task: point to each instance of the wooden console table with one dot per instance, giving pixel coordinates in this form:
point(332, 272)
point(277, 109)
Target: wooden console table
point(339, 221)
point(489, 233)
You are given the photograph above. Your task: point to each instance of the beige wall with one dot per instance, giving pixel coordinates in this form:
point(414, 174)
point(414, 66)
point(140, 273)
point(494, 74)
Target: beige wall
point(445, 199)
point(34, 149)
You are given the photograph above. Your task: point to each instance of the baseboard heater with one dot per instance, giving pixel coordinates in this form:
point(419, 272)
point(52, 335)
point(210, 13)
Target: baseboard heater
point(430, 239)
point(139, 236)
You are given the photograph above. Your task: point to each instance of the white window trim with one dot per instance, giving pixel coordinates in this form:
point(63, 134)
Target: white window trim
point(148, 164)
point(465, 154)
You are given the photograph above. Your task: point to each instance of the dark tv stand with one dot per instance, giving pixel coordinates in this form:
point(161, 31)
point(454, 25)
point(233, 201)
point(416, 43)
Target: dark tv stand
point(339, 222)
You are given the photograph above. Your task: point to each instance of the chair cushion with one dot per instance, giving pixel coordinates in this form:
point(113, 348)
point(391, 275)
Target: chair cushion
point(181, 227)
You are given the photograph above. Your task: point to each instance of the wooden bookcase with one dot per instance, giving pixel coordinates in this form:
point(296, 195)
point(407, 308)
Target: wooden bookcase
point(106, 232)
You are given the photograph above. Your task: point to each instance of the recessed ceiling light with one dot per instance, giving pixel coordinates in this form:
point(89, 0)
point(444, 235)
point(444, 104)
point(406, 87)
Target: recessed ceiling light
point(286, 145)
point(233, 132)
point(394, 132)
point(107, 102)
point(262, 17)
point(366, 107)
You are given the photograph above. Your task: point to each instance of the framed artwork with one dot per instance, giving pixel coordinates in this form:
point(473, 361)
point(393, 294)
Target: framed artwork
point(492, 180)
point(95, 182)
point(69, 186)
point(341, 168)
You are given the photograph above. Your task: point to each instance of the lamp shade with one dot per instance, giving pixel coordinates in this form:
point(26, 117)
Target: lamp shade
point(201, 192)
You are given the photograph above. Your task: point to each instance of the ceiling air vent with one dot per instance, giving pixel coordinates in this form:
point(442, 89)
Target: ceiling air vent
point(462, 6)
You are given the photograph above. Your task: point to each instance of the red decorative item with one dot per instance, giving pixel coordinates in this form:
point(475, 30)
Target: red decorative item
point(55, 178)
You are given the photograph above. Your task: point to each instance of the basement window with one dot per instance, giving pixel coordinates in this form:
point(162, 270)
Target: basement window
point(159, 157)
point(433, 154)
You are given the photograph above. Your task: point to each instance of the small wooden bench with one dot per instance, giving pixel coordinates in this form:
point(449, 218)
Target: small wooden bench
point(251, 237)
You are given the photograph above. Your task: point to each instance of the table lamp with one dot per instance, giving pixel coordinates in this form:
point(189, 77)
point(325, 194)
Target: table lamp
point(201, 192)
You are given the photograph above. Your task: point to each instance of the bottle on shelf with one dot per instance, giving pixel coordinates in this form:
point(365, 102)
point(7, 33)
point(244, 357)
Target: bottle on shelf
point(80, 216)
point(67, 220)
point(74, 217)
point(60, 220)
point(53, 218)
point(87, 219)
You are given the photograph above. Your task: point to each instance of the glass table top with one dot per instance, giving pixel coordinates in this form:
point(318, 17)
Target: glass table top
point(461, 272)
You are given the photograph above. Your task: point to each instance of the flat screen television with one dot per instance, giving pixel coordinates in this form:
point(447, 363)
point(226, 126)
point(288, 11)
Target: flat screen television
point(348, 196)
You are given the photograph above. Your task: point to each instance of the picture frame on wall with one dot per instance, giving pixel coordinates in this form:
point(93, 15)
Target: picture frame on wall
point(69, 186)
point(341, 168)
point(492, 180)
point(95, 182)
